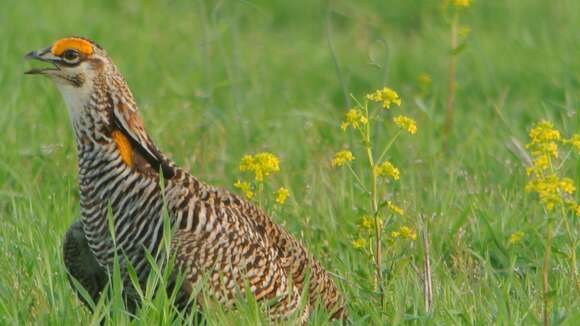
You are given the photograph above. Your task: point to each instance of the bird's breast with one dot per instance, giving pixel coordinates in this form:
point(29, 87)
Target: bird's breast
point(118, 202)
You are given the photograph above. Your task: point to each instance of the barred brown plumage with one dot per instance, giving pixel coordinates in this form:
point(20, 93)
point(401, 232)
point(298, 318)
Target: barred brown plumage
point(217, 236)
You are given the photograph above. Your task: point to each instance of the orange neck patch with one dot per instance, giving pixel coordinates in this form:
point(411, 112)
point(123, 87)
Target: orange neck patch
point(124, 146)
point(83, 46)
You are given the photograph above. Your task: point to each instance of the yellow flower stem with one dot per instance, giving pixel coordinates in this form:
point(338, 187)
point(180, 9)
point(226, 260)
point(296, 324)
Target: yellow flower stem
point(571, 236)
point(260, 193)
point(573, 246)
point(451, 79)
point(362, 130)
point(545, 273)
point(389, 146)
point(374, 208)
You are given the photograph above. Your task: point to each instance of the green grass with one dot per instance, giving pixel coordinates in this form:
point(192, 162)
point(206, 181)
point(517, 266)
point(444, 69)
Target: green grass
point(218, 79)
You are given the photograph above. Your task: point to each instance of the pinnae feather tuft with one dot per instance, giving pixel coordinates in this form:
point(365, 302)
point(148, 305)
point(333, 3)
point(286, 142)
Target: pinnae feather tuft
point(81, 45)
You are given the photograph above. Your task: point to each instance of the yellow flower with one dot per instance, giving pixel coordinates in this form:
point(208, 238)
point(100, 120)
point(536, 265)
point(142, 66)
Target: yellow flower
point(543, 137)
point(245, 187)
point(549, 148)
point(551, 189)
point(406, 123)
point(359, 243)
point(566, 185)
point(574, 207)
point(405, 233)
point(543, 131)
point(461, 3)
point(516, 237)
point(354, 118)
point(367, 223)
point(395, 208)
point(386, 95)
point(574, 141)
point(539, 164)
point(387, 169)
point(281, 195)
point(247, 163)
point(342, 158)
point(262, 165)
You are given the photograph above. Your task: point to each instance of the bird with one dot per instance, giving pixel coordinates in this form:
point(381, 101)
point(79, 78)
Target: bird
point(126, 183)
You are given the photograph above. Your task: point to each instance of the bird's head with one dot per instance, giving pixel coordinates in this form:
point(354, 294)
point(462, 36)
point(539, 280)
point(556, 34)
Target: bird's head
point(101, 106)
point(74, 60)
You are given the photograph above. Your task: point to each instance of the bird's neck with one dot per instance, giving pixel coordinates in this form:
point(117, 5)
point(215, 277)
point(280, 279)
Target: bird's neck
point(77, 100)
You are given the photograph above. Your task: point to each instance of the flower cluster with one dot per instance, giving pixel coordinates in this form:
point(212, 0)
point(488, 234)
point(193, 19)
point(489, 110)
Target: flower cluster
point(359, 243)
point(386, 96)
point(461, 3)
point(261, 164)
point(395, 208)
point(516, 237)
point(281, 195)
point(342, 157)
point(366, 228)
point(543, 138)
point(354, 118)
point(574, 141)
point(367, 223)
point(405, 232)
point(406, 123)
point(552, 189)
point(245, 187)
point(387, 169)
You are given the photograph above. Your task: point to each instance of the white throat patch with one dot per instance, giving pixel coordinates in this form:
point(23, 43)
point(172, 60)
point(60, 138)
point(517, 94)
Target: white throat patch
point(76, 99)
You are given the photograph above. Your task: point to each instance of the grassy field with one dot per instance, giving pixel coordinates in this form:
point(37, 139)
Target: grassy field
point(219, 79)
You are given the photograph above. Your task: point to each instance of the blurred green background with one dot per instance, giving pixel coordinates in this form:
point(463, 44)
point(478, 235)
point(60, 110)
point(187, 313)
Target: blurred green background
point(218, 79)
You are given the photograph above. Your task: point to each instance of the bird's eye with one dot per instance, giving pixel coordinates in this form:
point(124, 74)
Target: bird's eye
point(70, 55)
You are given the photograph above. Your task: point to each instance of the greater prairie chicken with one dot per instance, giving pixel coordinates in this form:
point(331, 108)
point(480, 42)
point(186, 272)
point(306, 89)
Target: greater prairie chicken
point(217, 237)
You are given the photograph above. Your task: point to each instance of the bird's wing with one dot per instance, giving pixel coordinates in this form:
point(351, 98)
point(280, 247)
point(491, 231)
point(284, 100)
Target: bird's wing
point(227, 257)
point(297, 263)
point(288, 252)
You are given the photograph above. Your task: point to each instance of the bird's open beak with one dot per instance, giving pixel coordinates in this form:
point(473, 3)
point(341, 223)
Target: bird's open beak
point(42, 55)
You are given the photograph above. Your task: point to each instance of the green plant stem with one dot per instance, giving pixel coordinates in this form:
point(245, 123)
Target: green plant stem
point(378, 249)
point(574, 244)
point(375, 212)
point(564, 218)
point(545, 273)
point(451, 80)
point(260, 193)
